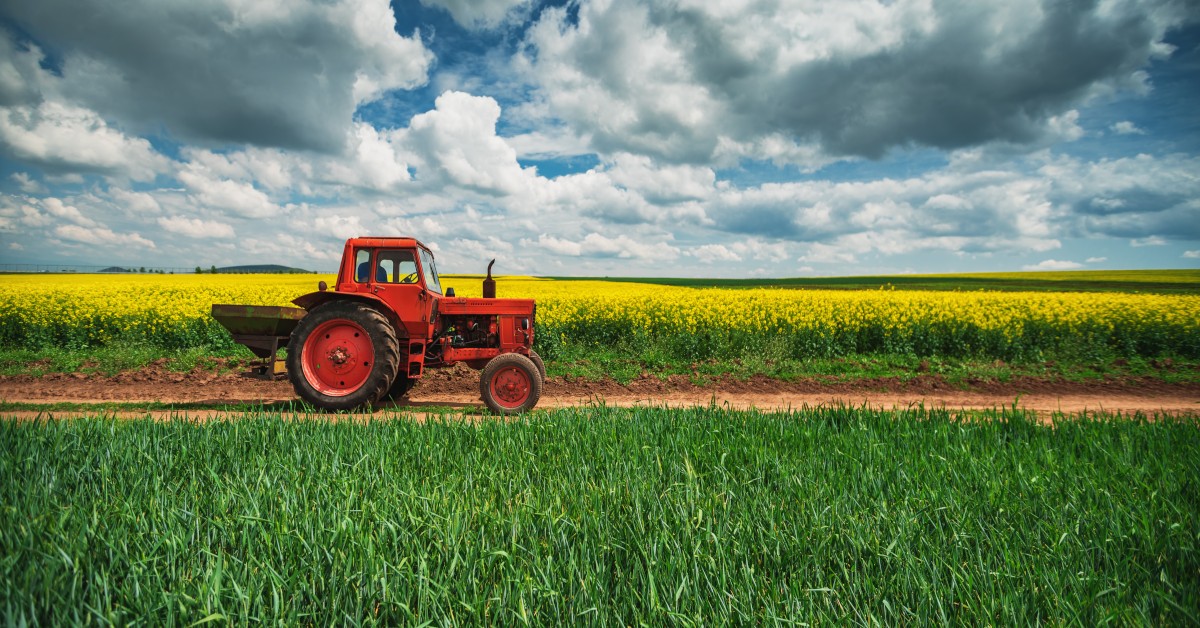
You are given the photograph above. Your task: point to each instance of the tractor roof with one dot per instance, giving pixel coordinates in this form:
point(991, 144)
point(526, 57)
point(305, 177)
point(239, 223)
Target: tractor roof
point(385, 241)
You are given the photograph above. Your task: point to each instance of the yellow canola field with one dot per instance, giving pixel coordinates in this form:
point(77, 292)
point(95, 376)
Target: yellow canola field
point(88, 310)
point(671, 309)
point(172, 311)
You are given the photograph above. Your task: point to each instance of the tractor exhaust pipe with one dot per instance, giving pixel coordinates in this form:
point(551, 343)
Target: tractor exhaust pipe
point(489, 284)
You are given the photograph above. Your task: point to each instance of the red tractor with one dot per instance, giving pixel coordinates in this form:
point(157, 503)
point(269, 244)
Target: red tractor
point(373, 335)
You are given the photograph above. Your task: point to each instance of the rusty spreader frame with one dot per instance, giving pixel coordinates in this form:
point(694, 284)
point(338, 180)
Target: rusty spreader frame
point(262, 329)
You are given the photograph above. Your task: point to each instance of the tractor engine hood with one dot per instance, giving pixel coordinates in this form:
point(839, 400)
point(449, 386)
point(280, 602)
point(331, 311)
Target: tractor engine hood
point(455, 306)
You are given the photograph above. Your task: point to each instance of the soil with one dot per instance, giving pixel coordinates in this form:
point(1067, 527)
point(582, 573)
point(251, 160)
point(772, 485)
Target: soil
point(458, 388)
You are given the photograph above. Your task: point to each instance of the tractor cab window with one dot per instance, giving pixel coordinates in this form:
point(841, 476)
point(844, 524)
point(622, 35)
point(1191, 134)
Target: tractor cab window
point(431, 277)
point(362, 265)
point(398, 266)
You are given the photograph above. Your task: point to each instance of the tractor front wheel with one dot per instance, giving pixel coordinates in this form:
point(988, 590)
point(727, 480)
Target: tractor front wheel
point(510, 384)
point(343, 355)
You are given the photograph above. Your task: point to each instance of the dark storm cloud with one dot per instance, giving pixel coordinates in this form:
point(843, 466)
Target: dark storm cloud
point(1181, 222)
point(957, 75)
point(217, 72)
point(789, 216)
point(1139, 213)
point(1136, 200)
point(762, 221)
point(969, 221)
point(1134, 197)
point(948, 91)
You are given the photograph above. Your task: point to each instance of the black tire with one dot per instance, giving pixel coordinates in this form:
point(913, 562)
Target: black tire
point(510, 384)
point(376, 374)
point(537, 361)
point(400, 387)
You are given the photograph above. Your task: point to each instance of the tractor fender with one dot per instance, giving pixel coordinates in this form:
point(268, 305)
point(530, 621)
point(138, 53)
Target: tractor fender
point(315, 299)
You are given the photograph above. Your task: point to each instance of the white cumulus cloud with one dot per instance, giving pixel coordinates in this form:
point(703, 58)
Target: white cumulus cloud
point(236, 197)
point(1151, 240)
point(710, 253)
point(482, 13)
point(457, 141)
point(1053, 264)
point(598, 245)
point(820, 253)
point(196, 228)
point(102, 236)
point(1125, 127)
point(63, 137)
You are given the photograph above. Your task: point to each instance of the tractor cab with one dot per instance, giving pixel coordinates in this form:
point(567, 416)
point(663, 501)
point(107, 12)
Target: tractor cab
point(401, 273)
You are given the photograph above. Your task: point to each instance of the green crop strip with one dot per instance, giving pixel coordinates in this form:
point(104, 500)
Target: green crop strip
point(1182, 281)
point(605, 516)
point(625, 361)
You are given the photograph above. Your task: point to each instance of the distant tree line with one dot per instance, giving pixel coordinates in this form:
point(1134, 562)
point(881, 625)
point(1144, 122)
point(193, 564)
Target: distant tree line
point(142, 269)
point(254, 270)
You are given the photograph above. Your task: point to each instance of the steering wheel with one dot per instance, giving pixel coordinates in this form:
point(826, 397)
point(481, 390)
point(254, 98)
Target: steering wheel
point(409, 278)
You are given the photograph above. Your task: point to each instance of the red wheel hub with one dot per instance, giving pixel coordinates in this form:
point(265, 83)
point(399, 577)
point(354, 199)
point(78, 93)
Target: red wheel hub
point(510, 386)
point(338, 357)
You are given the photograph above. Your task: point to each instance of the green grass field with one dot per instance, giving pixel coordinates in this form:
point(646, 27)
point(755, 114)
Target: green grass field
point(1180, 281)
point(605, 516)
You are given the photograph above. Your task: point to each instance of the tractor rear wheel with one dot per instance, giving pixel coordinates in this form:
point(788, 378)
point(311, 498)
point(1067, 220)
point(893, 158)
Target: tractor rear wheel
point(343, 355)
point(510, 384)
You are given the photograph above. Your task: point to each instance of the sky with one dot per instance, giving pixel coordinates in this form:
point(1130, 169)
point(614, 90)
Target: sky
point(681, 138)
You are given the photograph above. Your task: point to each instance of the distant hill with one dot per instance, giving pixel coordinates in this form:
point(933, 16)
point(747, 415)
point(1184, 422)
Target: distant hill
point(115, 269)
point(264, 268)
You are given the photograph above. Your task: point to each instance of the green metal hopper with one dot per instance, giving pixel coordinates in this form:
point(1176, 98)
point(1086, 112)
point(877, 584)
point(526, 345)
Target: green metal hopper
point(261, 328)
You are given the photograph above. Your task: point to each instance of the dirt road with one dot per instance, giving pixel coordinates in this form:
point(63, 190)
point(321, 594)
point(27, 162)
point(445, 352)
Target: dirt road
point(458, 389)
